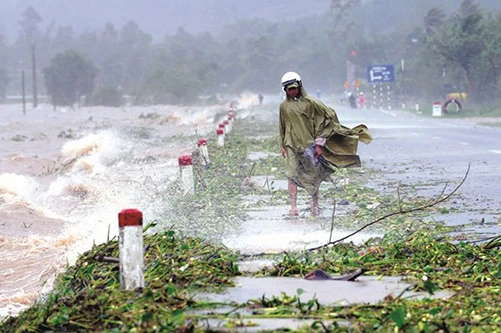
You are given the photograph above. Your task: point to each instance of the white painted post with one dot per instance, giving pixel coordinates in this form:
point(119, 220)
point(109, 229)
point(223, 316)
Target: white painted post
point(374, 95)
point(202, 146)
point(381, 96)
point(186, 171)
point(227, 126)
point(130, 247)
point(222, 127)
point(231, 119)
point(389, 96)
point(220, 137)
point(437, 109)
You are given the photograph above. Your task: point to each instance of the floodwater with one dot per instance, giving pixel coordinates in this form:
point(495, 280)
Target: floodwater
point(365, 290)
point(66, 174)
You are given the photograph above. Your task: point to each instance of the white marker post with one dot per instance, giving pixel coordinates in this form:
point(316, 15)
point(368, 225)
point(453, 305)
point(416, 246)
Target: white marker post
point(220, 137)
point(389, 96)
point(222, 127)
point(186, 171)
point(130, 222)
point(227, 126)
point(202, 146)
point(437, 109)
point(231, 119)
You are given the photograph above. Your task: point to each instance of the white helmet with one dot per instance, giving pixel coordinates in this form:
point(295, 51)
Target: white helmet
point(289, 78)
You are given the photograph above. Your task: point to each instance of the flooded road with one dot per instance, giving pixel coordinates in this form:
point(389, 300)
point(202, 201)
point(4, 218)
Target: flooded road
point(432, 155)
point(65, 175)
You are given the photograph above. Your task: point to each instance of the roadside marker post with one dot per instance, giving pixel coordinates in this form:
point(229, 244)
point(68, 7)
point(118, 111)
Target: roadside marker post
point(227, 126)
point(220, 137)
point(202, 146)
point(223, 128)
point(437, 109)
point(130, 222)
point(186, 174)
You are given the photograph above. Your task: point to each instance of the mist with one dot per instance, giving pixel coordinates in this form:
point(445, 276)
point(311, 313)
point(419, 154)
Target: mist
point(177, 52)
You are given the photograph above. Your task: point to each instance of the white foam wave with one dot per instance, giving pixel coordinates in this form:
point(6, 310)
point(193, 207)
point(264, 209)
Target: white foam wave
point(17, 185)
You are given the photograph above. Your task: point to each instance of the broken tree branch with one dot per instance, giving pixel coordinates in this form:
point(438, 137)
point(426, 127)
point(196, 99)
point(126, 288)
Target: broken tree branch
point(401, 211)
point(439, 199)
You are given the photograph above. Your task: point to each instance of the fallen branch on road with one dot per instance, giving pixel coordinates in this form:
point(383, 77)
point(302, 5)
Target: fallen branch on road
point(439, 199)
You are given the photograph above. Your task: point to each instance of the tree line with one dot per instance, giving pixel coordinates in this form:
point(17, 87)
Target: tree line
point(458, 52)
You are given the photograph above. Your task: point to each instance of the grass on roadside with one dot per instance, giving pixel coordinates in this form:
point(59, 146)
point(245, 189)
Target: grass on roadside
point(179, 264)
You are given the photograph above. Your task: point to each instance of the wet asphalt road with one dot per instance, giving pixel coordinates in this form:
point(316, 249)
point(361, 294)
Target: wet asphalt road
point(429, 153)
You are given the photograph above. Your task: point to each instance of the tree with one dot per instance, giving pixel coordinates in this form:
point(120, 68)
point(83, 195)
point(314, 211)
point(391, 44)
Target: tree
point(134, 49)
point(29, 25)
point(433, 20)
point(459, 41)
point(488, 68)
point(69, 77)
point(340, 10)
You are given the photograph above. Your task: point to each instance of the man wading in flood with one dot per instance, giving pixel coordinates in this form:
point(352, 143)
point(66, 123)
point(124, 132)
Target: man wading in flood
point(313, 141)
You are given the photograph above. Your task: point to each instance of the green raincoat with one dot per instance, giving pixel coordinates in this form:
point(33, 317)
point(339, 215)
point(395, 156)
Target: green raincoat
point(304, 119)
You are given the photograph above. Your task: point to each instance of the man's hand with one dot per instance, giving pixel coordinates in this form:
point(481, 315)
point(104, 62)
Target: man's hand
point(283, 152)
point(319, 151)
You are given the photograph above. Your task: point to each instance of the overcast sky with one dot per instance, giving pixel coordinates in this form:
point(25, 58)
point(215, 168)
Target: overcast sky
point(155, 17)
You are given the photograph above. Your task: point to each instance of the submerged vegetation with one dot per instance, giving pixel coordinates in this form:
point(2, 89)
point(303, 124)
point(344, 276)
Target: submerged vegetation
point(180, 265)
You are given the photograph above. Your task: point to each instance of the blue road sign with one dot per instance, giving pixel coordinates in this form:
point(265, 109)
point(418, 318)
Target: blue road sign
point(380, 73)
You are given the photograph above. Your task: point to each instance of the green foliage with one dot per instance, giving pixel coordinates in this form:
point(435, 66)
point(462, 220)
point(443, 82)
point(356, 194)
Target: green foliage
point(69, 77)
point(88, 297)
point(213, 212)
point(446, 47)
point(106, 97)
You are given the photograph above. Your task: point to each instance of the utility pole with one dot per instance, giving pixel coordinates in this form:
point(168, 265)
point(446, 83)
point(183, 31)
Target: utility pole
point(34, 69)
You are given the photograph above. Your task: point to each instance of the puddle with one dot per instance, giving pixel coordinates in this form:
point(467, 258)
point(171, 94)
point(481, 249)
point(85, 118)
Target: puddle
point(278, 235)
point(258, 324)
point(366, 290)
point(268, 230)
point(254, 265)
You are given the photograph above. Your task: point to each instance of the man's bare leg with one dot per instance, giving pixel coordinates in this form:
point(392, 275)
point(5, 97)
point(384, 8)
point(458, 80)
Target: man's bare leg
point(314, 204)
point(292, 187)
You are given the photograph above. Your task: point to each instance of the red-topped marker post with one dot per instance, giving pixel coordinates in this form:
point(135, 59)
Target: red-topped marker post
point(227, 126)
point(437, 109)
point(186, 171)
point(202, 146)
point(222, 127)
point(130, 247)
point(231, 115)
point(220, 137)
